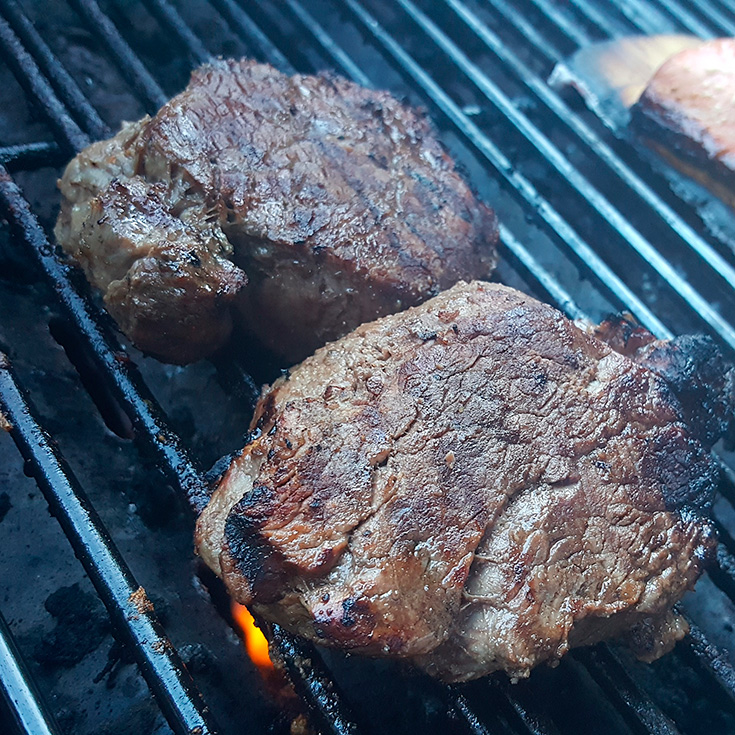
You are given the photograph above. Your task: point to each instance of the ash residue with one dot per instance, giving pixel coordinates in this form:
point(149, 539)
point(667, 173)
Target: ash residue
point(81, 625)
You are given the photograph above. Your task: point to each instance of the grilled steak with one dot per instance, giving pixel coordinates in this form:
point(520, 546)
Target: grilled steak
point(474, 484)
point(685, 114)
point(299, 206)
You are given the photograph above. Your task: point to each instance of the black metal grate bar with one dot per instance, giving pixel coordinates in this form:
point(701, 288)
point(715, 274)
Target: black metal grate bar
point(528, 30)
point(723, 571)
point(571, 30)
point(136, 399)
point(332, 50)
point(308, 679)
point(129, 387)
point(605, 22)
point(31, 155)
point(642, 20)
point(524, 709)
point(598, 147)
point(696, 242)
point(248, 30)
point(406, 64)
point(728, 571)
point(58, 77)
point(36, 85)
point(719, 22)
point(581, 185)
point(25, 704)
point(628, 691)
point(72, 138)
point(523, 258)
point(170, 19)
point(709, 660)
point(113, 362)
point(727, 6)
point(639, 712)
point(683, 18)
point(556, 293)
point(313, 683)
point(462, 708)
point(130, 610)
point(130, 66)
point(670, 217)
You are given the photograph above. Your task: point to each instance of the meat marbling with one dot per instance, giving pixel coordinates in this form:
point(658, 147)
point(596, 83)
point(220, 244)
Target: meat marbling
point(474, 484)
point(298, 206)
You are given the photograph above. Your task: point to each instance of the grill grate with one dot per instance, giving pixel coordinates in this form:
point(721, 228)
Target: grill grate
point(74, 122)
point(125, 599)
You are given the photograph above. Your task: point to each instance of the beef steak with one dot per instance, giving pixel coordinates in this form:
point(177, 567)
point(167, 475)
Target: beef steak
point(685, 114)
point(298, 206)
point(476, 483)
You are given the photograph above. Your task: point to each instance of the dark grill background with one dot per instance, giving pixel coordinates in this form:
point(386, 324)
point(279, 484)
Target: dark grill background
point(589, 223)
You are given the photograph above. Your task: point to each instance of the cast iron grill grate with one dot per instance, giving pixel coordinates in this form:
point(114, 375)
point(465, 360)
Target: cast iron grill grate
point(491, 90)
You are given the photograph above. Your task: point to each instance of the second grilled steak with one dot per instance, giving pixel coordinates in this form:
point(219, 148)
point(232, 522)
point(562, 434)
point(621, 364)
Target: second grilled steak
point(475, 484)
point(685, 114)
point(300, 206)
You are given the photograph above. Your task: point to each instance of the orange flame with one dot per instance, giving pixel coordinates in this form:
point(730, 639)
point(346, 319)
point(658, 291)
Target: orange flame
point(255, 642)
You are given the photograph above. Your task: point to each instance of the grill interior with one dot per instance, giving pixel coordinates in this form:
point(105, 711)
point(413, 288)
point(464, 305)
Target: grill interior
point(590, 223)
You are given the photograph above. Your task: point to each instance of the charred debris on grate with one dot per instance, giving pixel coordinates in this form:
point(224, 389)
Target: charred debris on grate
point(256, 40)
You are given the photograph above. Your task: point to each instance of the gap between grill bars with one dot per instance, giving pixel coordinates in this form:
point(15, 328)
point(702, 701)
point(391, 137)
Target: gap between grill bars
point(90, 11)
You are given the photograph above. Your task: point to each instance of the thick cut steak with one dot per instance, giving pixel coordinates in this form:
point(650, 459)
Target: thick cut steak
point(299, 206)
point(686, 114)
point(476, 483)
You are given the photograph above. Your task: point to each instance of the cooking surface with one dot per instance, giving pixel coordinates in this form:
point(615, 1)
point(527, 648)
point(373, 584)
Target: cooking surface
point(590, 224)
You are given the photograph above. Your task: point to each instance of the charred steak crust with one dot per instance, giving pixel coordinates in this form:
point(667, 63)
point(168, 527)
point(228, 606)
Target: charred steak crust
point(692, 366)
point(685, 114)
point(475, 483)
point(338, 202)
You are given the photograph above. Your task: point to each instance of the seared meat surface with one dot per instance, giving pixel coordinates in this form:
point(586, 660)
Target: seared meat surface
point(685, 114)
point(474, 484)
point(299, 206)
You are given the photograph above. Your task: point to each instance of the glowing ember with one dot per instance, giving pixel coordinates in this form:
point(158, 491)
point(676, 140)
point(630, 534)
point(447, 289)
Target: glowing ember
point(255, 642)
